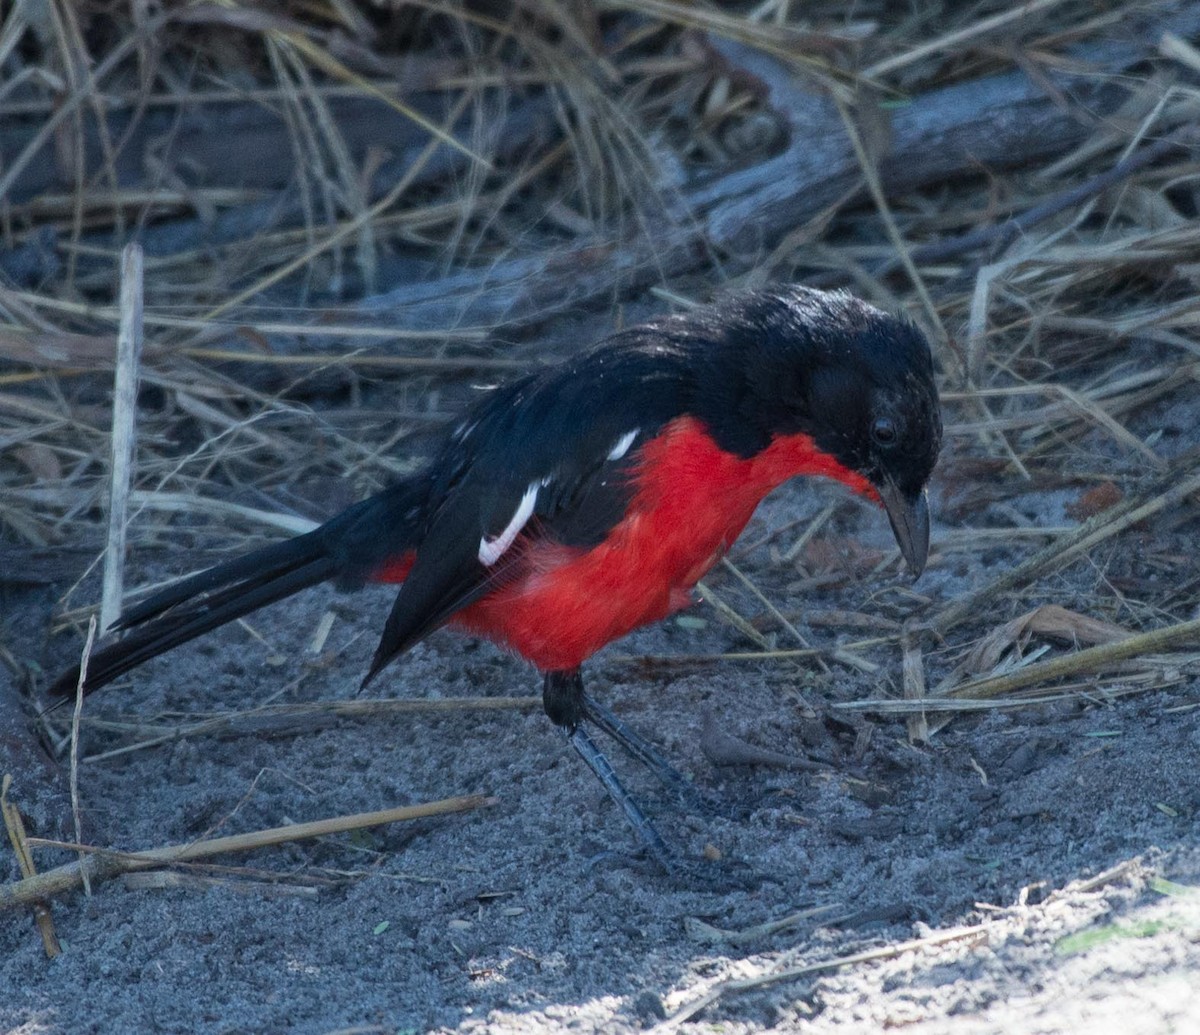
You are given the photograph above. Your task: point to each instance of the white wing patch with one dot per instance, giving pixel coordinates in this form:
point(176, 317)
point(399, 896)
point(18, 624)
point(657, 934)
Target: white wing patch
point(491, 550)
point(623, 444)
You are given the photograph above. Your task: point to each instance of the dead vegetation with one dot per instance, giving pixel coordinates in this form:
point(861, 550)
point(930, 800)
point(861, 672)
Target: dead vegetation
point(345, 207)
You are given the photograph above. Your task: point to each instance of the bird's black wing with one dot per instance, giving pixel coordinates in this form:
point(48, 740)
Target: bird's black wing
point(482, 530)
point(548, 457)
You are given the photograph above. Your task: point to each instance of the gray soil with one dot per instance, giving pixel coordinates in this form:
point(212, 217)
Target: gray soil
point(966, 865)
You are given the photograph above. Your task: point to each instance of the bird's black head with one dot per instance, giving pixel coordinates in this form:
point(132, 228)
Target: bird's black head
point(855, 379)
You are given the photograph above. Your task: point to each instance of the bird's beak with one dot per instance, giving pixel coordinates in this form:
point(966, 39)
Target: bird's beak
point(910, 524)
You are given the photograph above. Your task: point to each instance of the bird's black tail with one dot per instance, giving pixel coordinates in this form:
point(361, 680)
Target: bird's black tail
point(347, 548)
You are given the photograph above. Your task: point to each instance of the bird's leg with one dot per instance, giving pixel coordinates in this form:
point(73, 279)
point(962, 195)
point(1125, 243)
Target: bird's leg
point(688, 794)
point(566, 705)
point(645, 830)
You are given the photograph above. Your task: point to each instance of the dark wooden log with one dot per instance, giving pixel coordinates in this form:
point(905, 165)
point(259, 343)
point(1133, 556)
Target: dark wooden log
point(997, 123)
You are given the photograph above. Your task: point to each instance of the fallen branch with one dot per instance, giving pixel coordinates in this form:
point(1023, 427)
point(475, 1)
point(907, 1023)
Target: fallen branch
point(998, 122)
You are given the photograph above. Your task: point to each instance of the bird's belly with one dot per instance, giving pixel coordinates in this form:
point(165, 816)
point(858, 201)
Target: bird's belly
point(571, 602)
point(561, 604)
point(693, 499)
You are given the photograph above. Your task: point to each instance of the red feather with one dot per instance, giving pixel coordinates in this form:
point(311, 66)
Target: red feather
point(691, 501)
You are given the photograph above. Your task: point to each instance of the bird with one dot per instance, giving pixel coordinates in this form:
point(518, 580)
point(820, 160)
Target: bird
point(583, 500)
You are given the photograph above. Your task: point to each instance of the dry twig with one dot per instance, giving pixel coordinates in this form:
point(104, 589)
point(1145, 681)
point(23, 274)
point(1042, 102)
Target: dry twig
point(102, 864)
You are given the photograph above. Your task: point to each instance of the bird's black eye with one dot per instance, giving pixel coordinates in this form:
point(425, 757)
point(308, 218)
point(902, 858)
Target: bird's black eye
point(883, 431)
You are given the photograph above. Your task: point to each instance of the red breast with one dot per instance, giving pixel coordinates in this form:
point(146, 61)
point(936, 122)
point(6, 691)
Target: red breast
point(691, 501)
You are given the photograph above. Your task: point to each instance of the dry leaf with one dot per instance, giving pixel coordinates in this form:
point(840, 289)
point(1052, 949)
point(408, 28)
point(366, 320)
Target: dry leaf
point(1097, 499)
point(1049, 620)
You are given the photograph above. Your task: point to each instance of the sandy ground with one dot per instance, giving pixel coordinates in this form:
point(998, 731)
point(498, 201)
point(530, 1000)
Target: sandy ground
point(1009, 876)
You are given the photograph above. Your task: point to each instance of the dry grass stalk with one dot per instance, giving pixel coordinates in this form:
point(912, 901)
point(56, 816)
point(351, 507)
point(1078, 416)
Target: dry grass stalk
point(948, 42)
point(967, 938)
point(1049, 620)
point(20, 843)
point(1093, 659)
point(707, 933)
point(1156, 669)
point(124, 426)
point(161, 879)
point(913, 672)
point(284, 719)
point(729, 615)
point(102, 864)
point(970, 936)
point(1167, 490)
point(76, 713)
point(1144, 675)
point(778, 615)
